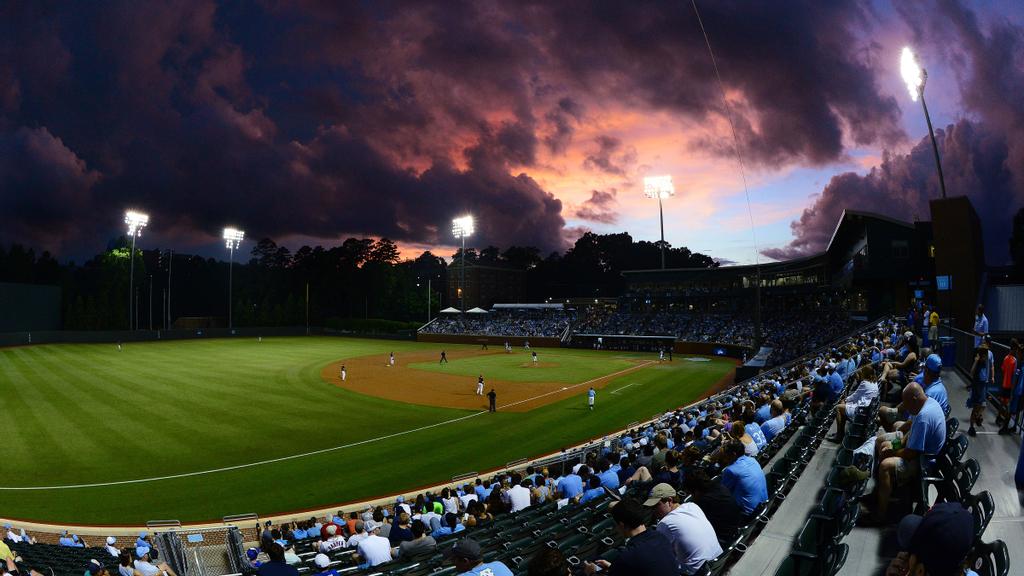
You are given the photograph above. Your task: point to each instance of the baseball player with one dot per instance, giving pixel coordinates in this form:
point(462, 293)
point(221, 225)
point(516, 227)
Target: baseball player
point(534, 357)
point(480, 385)
point(444, 358)
point(591, 394)
point(391, 360)
point(343, 374)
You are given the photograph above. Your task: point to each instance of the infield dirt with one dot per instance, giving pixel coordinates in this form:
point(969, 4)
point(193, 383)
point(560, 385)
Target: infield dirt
point(372, 376)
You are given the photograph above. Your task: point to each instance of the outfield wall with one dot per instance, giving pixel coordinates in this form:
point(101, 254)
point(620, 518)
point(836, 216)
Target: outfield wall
point(481, 339)
point(29, 307)
point(111, 336)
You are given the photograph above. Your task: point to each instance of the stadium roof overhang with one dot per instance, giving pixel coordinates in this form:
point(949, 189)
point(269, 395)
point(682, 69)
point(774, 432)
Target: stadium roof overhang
point(678, 274)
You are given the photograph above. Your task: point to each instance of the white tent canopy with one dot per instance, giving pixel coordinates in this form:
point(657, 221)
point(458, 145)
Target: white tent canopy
point(476, 310)
point(450, 310)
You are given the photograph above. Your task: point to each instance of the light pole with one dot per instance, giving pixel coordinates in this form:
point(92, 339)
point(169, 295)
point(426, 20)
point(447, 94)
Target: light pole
point(462, 227)
point(660, 187)
point(428, 298)
point(916, 77)
point(136, 221)
point(232, 237)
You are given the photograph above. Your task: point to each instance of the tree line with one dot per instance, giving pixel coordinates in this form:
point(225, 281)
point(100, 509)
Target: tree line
point(358, 279)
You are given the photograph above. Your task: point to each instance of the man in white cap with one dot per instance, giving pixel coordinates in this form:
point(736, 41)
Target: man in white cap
point(334, 540)
point(322, 563)
point(374, 549)
point(111, 549)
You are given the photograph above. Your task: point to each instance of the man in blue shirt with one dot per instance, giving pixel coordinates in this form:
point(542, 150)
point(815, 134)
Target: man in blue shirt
point(835, 383)
point(899, 464)
point(570, 486)
point(482, 492)
point(776, 423)
point(468, 560)
point(743, 477)
point(763, 413)
point(594, 490)
point(609, 477)
point(931, 380)
point(980, 326)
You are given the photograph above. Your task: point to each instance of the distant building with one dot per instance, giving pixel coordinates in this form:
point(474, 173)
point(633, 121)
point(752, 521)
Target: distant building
point(485, 284)
point(878, 262)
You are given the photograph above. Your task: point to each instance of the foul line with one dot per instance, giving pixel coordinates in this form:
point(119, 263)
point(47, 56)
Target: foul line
point(316, 452)
point(616, 391)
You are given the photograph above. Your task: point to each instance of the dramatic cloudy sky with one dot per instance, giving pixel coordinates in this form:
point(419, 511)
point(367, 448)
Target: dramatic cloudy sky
point(310, 121)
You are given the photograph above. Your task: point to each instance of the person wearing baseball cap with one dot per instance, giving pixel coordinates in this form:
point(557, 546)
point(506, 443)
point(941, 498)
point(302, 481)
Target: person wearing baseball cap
point(111, 549)
point(322, 562)
point(931, 380)
point(693, 539)
point(647, 552)
point(940, 540)
point(374, 549)
point(144, 564)
point(468, 560)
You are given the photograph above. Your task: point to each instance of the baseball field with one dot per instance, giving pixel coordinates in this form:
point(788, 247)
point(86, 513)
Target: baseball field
point(195, 430)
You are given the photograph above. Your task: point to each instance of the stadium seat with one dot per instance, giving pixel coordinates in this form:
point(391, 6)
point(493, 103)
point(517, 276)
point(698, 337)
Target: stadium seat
point(982, 507)
point(966, 475)
point(990, 559)
point(802, 564)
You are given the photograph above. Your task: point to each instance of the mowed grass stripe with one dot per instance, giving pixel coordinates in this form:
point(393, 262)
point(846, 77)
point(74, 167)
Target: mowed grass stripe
point(91, 427)
point(22, 419)
point(292, 425)
point(391, 465)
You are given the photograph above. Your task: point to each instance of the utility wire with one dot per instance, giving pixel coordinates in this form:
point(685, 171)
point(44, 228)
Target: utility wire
point(743, 172)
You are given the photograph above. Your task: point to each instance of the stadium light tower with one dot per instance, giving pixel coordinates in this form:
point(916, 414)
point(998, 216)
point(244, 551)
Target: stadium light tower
point(232, 237)
point(461, 228)
point(136, 221)
point(915, 76)
point(660, 187)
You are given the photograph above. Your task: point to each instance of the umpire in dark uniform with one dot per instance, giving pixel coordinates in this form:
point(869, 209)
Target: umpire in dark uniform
point(491, 398)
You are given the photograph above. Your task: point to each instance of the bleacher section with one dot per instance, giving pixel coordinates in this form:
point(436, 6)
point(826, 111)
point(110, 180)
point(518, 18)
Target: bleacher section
point(807, 526)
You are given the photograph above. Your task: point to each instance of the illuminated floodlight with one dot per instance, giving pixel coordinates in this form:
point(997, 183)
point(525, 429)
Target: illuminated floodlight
point(136, 221)
point(463, 227)
point(659, 187)
point(233, 237)
point(912, 73)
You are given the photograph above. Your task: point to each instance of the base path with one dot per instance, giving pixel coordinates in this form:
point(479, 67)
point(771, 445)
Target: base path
point(372, 376)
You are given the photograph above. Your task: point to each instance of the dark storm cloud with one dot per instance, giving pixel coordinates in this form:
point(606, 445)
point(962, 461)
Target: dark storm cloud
point(600, 207)
point(610, 156)
point(982, 156)
point(797, 70)
point(333, 118)
point(563, 119)
point(975, 163)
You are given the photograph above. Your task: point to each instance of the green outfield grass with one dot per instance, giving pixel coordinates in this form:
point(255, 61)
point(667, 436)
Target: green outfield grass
point(85, 413)
point(559, 365)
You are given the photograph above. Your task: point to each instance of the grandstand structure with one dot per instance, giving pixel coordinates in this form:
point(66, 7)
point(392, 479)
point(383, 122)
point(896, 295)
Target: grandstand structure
point(806, 525)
